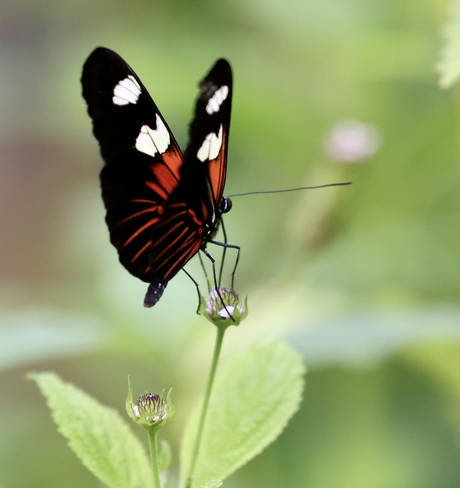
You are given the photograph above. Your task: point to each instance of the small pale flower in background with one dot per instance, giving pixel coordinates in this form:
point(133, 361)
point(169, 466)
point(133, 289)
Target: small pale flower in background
point(352, 141)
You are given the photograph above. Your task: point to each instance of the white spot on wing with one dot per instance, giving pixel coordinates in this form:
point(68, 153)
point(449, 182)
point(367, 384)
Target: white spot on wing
point(153, 141)
point(216, 100)
point(126, 91)
point(211, 146)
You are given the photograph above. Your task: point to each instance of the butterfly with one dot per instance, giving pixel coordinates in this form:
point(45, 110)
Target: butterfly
point(162, 206)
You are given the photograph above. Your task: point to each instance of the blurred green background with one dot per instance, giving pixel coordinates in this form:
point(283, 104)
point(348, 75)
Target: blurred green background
point(364, 281)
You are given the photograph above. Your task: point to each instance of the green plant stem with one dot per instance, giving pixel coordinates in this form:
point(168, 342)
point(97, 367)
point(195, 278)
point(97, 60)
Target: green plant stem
point(212, 373)
point(154, 457)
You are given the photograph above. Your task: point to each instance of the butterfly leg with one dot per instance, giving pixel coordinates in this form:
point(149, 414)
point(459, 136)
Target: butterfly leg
point(216, 284)
point(197, 289)
point(226, 245)
point(229, 246)
point(203, 267)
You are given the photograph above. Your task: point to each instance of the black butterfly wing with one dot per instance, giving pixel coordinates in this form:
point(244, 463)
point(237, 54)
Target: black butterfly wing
point(142, 158)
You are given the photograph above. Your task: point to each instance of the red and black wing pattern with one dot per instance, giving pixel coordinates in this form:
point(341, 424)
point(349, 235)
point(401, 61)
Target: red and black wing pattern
point(142, 167)
point(161, 207)
point(193, 212)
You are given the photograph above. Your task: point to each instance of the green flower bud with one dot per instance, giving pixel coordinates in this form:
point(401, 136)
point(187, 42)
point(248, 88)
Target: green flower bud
point(152, 410)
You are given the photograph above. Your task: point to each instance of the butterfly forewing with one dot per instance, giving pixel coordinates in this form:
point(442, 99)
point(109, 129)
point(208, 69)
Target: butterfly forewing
point(210, 127)
point(142, 158)
point(161, 207)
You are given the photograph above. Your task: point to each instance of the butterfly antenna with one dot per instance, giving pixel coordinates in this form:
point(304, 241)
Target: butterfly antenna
point(344, 183)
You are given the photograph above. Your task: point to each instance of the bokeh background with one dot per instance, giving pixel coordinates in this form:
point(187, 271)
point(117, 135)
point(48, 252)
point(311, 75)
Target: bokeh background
point(364, 280)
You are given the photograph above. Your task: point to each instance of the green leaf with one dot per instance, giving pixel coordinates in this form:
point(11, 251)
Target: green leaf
point(254, 397)
point(97, 434)
point(449, 64)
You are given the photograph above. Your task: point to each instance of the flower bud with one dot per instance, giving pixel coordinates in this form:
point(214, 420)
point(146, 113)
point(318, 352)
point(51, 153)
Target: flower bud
point(152, 409)
point(224, 307)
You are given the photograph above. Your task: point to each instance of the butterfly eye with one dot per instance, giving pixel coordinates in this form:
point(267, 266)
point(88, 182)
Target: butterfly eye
point(225, 205)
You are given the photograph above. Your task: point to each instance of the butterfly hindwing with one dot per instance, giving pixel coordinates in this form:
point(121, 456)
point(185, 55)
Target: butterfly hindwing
point(161, 207)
